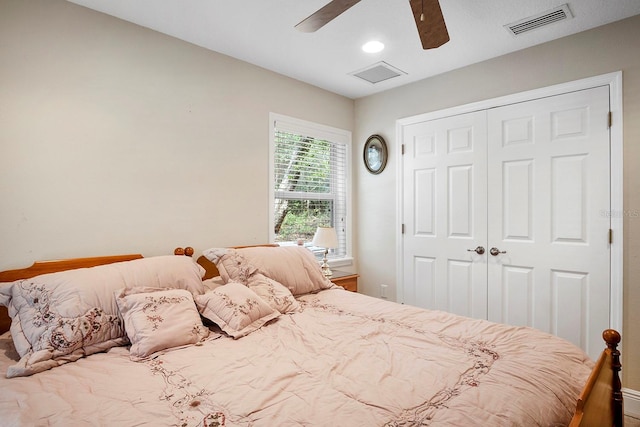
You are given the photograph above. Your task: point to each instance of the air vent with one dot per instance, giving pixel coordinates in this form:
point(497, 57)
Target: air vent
point(378, 73)
point(560, 13)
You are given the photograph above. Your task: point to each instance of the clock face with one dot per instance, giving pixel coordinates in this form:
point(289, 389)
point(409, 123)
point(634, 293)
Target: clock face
point(375, 154)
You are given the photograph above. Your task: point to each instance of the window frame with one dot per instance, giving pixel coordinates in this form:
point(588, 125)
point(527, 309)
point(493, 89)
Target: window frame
point(317, 131)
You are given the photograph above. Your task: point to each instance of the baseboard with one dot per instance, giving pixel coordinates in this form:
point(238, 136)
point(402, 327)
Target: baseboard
point(631, 402)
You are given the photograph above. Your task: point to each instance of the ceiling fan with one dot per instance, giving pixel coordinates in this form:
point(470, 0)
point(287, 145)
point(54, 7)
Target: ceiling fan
point(427, 14)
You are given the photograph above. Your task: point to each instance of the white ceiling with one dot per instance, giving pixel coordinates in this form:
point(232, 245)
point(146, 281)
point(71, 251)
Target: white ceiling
point(262, 32)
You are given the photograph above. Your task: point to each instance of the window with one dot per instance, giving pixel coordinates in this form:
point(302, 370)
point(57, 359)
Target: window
point(309, 182)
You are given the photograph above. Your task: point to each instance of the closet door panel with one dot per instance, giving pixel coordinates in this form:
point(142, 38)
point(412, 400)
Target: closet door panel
point(444, 177)
point(548, 184)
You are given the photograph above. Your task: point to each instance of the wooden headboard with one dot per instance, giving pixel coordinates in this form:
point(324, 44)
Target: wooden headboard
point(44, 267)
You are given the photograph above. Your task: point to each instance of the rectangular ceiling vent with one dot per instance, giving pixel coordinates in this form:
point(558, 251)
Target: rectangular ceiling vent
point(378, 73)
point(560, 13)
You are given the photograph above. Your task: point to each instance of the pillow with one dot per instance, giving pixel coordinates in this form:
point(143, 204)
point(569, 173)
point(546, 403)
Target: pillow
point(60, 317)
point(231, 264)
point(293, 266)
point(273, 293)
point(157, 319)
point(236, 309)
point(212, 283)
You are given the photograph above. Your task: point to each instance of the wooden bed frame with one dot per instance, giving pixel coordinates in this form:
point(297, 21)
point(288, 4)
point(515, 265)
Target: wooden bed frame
point(600, 403)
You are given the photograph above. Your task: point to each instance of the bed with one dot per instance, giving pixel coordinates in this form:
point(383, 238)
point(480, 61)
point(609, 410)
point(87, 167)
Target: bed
point(255, 337)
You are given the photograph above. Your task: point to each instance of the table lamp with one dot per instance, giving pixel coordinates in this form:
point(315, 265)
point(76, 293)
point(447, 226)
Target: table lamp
point(326, 238)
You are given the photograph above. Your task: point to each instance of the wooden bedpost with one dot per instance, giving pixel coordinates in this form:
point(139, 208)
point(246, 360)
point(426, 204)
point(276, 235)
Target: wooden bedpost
point(188, 251)
point(600, 403)
point(612, 338)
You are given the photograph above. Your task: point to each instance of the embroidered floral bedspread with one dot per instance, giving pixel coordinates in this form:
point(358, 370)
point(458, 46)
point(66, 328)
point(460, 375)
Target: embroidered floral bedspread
point(344, 360)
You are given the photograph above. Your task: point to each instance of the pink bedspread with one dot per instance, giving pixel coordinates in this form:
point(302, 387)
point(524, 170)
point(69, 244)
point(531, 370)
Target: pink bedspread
point(344, 360)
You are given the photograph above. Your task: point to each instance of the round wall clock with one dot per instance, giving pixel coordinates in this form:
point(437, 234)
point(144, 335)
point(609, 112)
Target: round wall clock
point(375, 154)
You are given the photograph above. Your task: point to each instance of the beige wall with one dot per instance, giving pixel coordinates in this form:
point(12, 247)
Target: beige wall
point(115, 138)
point(606, 49)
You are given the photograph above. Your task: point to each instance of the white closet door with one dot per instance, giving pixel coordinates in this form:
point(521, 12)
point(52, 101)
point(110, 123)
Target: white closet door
point(445, 210)
point(532, 181)
point(548, 180)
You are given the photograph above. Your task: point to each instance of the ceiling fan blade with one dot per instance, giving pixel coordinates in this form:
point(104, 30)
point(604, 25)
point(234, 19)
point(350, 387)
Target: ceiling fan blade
point(325, 15)
point(432, 30)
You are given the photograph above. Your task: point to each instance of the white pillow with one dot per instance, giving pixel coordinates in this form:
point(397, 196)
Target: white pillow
point(157, 319)
point(236, 309)
point(60, 317)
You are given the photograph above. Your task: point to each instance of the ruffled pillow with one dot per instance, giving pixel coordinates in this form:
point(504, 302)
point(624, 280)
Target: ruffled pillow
point(159, 319)
point(236, 309)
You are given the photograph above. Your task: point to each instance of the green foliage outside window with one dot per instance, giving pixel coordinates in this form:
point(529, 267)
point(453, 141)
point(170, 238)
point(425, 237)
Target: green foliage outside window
point(303, 186)
point(302, 218)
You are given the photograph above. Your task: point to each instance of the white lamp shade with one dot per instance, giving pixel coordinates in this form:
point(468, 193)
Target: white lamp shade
point(325, 237)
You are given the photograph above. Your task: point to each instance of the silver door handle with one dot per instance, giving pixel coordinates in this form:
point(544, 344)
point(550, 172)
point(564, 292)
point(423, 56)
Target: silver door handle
point(496, 251)
point(479, 250)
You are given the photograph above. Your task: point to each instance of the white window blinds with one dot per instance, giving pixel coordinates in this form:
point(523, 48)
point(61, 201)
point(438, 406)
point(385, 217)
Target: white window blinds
point(310, 184)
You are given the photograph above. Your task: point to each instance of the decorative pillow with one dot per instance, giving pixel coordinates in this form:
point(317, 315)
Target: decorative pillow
point(212, 283)
point(157, 319)
point(293, 266)
point(231, 264)
point(236, 309)
point(273, 293)
point(60, 317)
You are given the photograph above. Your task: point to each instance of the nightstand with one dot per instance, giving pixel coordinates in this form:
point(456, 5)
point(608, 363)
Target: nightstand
point(349, 281)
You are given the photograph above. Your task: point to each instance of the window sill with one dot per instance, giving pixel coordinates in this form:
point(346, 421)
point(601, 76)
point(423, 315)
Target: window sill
point(341, 262)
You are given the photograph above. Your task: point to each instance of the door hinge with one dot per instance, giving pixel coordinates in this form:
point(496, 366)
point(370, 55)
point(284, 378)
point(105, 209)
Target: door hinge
point(402, 228)
point(402, 149)
point(610, 119)
point(610, 236)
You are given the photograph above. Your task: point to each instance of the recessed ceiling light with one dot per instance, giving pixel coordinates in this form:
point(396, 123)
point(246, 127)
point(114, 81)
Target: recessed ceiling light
point(374, 46)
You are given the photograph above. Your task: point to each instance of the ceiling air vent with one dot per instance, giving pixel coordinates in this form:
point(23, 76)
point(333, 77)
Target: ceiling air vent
point(378, 72)
point(560, 13)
